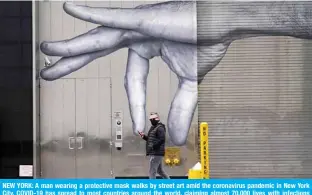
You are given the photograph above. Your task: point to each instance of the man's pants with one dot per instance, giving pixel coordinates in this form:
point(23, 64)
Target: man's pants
point(157, 167)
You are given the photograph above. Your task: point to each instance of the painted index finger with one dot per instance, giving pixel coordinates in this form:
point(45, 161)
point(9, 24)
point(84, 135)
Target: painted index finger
point(162, 20)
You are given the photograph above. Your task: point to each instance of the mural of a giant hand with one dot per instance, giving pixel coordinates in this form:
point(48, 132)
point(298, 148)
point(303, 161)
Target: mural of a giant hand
point(169, 30)
point(101, 41)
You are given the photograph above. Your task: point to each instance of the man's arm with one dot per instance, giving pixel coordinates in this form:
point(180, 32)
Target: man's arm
point(143, 136)
point(161, 137)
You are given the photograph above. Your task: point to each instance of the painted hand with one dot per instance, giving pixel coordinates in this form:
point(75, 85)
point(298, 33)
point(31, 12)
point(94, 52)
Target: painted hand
point(169, 30)
point(180, 56)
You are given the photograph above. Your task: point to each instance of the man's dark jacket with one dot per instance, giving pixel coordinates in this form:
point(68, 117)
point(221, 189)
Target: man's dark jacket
point(155, 140)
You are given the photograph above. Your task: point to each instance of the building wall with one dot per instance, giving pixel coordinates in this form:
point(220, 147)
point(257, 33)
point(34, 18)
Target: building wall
point(61, 111)
point(55, 25)
point(16, 87)
point(257, 102)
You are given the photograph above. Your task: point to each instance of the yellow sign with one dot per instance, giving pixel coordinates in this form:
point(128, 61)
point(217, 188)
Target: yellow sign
point(172, 155)
point(204, 150)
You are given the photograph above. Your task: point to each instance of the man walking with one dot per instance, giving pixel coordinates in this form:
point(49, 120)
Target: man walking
point(155, 146)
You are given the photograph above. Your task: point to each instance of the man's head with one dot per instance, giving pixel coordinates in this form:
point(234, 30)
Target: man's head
point(154, 118)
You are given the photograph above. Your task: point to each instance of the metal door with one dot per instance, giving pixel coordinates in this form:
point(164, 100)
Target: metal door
point(75, 128)
point(57, 128)
point(93, 128)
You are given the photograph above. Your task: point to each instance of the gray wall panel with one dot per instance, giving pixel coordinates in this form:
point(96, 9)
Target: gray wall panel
point(257, 102)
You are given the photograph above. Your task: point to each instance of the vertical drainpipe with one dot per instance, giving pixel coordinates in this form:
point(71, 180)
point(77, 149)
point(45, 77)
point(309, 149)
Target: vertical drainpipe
point(34, 89)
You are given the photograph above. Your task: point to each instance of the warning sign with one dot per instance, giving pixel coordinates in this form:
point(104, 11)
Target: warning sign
point(204, 148)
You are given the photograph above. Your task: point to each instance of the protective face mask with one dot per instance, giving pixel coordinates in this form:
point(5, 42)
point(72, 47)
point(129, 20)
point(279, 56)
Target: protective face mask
point(154, 122)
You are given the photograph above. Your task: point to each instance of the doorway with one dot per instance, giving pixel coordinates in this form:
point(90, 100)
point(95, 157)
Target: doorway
point(75, 123)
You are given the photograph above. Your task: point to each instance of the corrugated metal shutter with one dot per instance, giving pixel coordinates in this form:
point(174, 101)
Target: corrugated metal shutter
point(258, 104)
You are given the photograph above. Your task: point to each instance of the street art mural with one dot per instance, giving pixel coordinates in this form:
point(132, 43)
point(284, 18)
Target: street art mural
point(169, 30)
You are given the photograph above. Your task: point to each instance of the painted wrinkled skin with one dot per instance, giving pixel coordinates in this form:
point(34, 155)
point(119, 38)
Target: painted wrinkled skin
point(169, 30)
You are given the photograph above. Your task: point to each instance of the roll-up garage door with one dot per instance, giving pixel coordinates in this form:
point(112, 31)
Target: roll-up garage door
point(257, 99)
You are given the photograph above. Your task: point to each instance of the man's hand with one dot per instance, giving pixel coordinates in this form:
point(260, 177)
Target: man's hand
point(141, 134)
